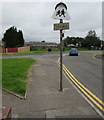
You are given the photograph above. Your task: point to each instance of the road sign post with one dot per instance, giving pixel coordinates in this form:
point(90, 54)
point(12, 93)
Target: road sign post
point(61, 50)
point(61, 13)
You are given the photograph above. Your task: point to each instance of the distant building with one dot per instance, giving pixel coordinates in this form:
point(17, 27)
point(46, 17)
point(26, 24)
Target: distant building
point(40, 44)
point(71, 45)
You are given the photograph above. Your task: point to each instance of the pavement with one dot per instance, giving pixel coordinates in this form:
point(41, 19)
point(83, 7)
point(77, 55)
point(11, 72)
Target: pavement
point(44, 100)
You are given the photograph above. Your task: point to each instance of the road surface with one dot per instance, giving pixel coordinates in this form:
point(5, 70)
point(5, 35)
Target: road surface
point(88, 72)
point(84, 68)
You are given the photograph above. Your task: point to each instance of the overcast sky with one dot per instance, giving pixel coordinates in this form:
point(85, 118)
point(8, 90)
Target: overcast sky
point(34, 19)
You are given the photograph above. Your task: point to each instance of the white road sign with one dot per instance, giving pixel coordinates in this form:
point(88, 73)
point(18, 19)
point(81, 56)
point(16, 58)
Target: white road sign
point(61, 12)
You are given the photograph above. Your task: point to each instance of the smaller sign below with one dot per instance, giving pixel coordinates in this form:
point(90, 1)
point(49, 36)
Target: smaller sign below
point(61, 26)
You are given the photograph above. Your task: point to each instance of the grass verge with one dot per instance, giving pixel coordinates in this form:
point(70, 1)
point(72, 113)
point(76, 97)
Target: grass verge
point(26, 53)
point(45, 51)
point(15, 74)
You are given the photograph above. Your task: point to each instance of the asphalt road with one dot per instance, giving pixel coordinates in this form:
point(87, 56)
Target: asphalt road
point(87, 70)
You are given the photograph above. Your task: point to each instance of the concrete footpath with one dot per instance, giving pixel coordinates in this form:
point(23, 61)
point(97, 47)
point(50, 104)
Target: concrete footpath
point(43, 98)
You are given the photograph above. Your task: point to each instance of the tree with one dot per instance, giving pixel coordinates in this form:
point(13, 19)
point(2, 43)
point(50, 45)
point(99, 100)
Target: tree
point(66, 41)
point(91, 39)
point(12, 38)
point(72, 40)
point(20, 39)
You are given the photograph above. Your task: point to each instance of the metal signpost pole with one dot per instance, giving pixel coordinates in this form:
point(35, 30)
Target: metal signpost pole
point(60, 89)
point(61, 13)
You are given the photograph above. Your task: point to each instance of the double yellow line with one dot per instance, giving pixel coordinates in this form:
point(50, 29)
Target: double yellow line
point(82, 88)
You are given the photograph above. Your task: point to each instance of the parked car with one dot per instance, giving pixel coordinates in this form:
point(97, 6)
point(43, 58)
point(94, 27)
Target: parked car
point(73, 51)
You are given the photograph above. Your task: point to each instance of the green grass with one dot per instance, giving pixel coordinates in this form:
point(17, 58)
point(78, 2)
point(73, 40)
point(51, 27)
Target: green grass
point(46, 51)
point(15, 74)
point(26, 53)
point(86, 49)
point(83, 49)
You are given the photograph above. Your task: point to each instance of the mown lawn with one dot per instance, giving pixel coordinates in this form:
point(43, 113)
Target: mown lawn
point(15, 74)
point(26, 53)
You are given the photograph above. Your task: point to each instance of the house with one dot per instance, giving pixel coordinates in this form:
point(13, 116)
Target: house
point(40, 44)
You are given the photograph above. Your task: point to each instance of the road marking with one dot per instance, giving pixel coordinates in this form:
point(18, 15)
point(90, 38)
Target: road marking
point(85, 88)
point(79, 85)
point(92, 105)
point(96, 57)
point(85, 92)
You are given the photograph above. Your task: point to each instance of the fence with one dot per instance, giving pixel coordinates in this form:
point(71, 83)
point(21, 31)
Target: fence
point(11, 50)
point(2, 50)
point(24, 49)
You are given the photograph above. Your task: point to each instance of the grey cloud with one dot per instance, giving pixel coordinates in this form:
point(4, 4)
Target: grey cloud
point(34, 19)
